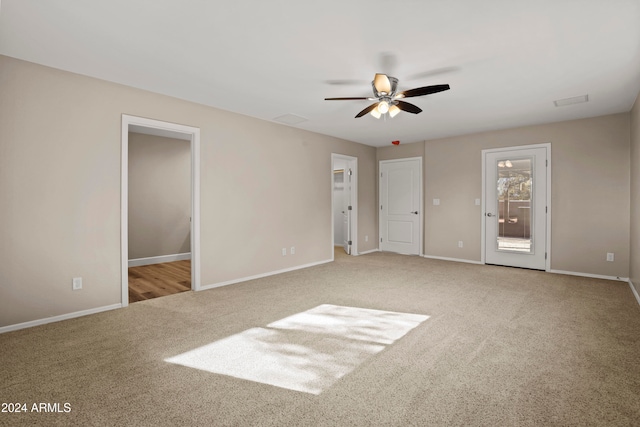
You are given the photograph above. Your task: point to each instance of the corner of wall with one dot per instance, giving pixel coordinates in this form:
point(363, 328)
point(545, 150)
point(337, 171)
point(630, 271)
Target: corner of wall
point(634, 193)
point(634, 289)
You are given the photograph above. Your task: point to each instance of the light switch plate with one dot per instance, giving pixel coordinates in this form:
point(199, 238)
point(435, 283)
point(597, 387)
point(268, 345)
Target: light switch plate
point(436, 202)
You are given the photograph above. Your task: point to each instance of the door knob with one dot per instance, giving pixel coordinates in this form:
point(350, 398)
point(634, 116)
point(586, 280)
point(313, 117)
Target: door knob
point(489, 214)
point(415, 212)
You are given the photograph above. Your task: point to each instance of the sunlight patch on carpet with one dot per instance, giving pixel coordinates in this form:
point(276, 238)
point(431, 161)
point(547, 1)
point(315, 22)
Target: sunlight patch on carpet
point(306, 352)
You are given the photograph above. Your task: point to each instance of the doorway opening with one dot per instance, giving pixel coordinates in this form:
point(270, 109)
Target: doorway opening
point(344, 204)
point(516, 205)
point(160, 248)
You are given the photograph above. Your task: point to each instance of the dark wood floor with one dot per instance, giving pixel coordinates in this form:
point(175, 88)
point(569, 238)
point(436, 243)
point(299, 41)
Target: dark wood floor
point(157, 280)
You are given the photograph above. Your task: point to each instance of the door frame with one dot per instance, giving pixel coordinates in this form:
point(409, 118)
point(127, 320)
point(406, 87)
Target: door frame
point(171, 130)
point(420, 201)
point(352, 162)
point(547, 146)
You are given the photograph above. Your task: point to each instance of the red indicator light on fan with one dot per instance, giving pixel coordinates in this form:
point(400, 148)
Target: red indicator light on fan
point(395, 142)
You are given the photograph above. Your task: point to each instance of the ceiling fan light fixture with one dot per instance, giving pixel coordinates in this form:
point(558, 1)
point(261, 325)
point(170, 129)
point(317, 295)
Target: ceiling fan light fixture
point(385, 92)
point(394, 110)
point(382, 84)
point(394, 85)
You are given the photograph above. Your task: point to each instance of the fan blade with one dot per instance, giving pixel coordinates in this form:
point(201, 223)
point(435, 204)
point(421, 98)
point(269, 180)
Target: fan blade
point(343, 99)
point(420, 91)
point(381, 83)
point(346, 82)
point(367, 110)
point(409, 108)
point(432, 73)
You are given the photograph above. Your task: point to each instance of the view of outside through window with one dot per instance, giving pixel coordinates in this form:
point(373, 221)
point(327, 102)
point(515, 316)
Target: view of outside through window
point(514, 205)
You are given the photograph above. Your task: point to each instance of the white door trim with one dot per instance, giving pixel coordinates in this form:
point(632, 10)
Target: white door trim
point(352, 162)
point(547, 146)
point(420, 200)
point(172, 130)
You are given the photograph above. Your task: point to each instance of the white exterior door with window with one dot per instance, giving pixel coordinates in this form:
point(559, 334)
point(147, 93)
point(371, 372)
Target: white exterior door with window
point(516, 206)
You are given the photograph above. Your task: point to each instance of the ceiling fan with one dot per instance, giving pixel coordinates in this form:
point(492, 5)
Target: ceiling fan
point(388, 99)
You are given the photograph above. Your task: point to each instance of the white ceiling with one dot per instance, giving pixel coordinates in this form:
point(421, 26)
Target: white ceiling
point(506, 60)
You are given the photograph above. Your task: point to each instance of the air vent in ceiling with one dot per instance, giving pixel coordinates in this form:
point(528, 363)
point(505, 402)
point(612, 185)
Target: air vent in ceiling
point(571, 101)
point(290, 119)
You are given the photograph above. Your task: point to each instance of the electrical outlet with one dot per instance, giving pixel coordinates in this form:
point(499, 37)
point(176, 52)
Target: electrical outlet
point(293, 250)
point(284, 251)
point(76, 284)
point(609, 256)
point(460, 244)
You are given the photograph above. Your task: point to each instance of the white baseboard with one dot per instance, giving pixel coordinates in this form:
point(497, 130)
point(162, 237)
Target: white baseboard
point(52, 319)
point(595, 276)
point(634, 290)
point(259, 276)
point(570, 273)
point(159, 259)
point(468, 261)
point(368, 252)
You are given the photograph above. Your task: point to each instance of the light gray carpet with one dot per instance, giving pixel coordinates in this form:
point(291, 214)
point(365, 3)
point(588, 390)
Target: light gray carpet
point(501, 347)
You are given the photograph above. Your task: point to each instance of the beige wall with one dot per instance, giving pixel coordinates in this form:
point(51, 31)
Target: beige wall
point(402, 151)
point(635, 195)
point(590, 192)
point(159, 196)
point(264, 186)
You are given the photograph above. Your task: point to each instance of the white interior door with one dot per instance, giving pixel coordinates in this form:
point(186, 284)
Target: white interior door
point(346, 211)
point(515, 207)
point(401, 205)
point(337, 206)
point(344, 182)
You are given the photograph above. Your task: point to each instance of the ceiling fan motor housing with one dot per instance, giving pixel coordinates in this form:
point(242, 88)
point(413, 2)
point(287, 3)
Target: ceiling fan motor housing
point(381, 82)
